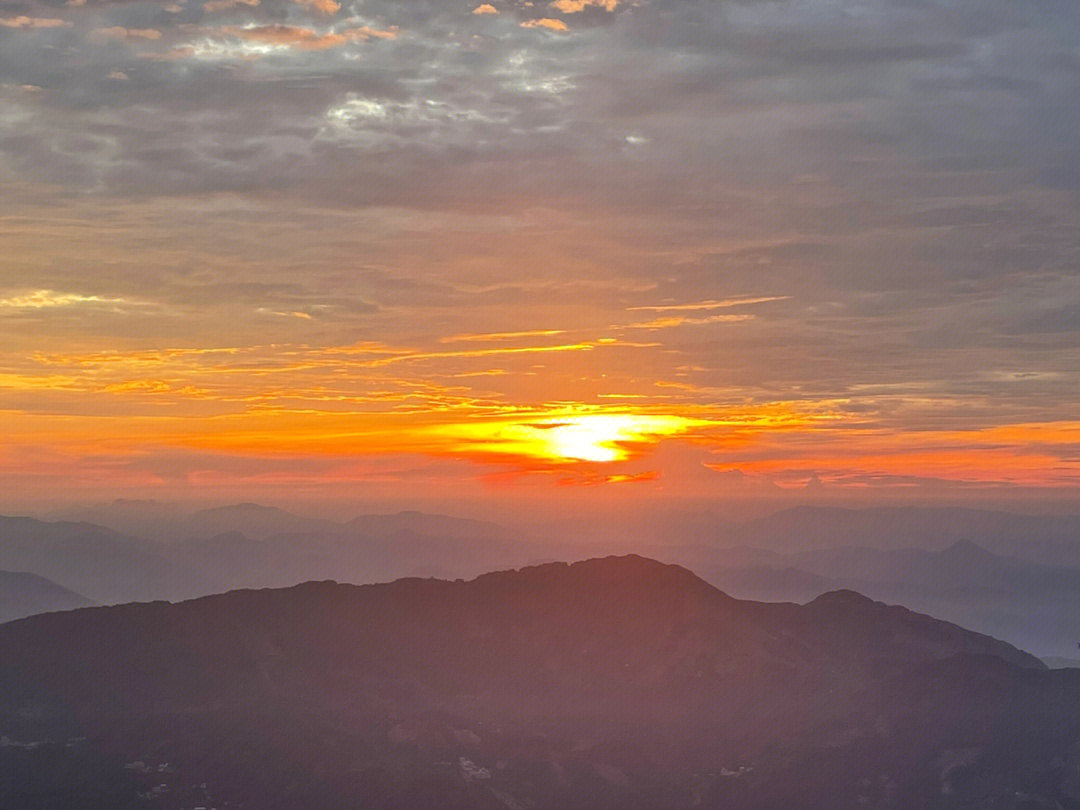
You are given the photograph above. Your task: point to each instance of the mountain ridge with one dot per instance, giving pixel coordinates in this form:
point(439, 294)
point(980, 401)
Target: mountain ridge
point(611, 682)
point(25, 594)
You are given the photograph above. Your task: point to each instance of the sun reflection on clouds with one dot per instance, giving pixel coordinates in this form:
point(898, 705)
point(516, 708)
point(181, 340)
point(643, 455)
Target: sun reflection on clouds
point(43, 299)
point(592, 437)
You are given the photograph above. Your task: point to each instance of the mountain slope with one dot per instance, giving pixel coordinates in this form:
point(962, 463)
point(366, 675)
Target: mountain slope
point(1048, 539)
point(626, 622)
point(618, 682)
point(23, 594)
point(207, 553)
point(102, 564)
point(1027, 603)
point(251, 519)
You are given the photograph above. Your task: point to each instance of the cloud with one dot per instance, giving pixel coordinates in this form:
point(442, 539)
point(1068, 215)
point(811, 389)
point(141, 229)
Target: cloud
point(43, 299)
point(577, 6)
point(299, 36)
point(670, 322)
point(119, 32)
point(488, 336)
point(410, 357)
point(550, 23)
point(731, 302)
point(243, 42)
point(485, 8)
point(327, 7)
point(224, 5)
point(23, 21)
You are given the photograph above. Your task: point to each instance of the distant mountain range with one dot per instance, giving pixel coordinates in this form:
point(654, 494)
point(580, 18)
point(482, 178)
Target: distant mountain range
point(165, 522)
point(23, 594)
point(100, 563)
point(1013, 576)
point(208, 552)
point(618, 682)
point(1047, 539)
point(1028, 603)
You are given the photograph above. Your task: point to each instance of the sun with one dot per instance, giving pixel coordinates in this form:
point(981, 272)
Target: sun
point(590, 438)
point(598, 437)
point(567, 438)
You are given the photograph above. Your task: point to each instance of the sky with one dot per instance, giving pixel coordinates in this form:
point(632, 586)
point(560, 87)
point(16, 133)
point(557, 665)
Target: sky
point(561, 251)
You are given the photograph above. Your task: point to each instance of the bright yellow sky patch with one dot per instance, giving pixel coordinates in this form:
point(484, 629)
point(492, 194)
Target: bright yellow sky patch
point(596, 437)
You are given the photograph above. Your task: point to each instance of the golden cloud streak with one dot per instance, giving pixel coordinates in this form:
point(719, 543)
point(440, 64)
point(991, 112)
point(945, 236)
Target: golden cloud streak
point(729, 302)
point(44, 299)
point(679, 320)
point(484, 336)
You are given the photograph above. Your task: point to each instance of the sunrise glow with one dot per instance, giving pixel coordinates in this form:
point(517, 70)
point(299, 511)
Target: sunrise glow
point(547, 404)
point(591, 437)
point(440, 248)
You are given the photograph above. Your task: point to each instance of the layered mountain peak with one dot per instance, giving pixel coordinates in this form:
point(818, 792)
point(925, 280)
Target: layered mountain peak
point(851, 626)
point(842, 598)
point(966, 551)
point(642, 573)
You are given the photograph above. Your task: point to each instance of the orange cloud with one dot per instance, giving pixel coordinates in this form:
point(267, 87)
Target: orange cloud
point(484, 336)
point(668, 323)
point(485, 8)
point(591, 478)
point(414, 356)
point(1023, 454)
point(42, 299)
point(303, 38)
point(577, 6)
point(326, 7)
point(23, 21)
point(546, 22)
point(224, 5)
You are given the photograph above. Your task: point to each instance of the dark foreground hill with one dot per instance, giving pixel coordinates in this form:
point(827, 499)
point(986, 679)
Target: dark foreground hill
point(617, 683)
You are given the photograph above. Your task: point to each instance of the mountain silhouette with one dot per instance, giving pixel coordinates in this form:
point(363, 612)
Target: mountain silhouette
point(618, 682)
